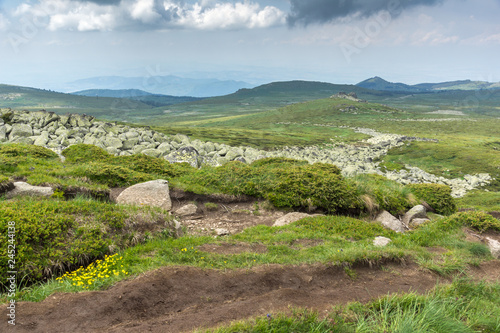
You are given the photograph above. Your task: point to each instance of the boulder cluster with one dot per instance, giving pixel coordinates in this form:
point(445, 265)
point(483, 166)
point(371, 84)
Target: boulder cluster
point(58, 132)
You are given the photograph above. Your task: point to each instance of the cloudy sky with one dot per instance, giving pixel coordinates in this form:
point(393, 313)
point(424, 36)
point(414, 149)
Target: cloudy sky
point(45, 43)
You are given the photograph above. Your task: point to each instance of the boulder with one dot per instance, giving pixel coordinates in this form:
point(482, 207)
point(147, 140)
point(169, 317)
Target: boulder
point(153, 193)
point(3, 133)
point(25, 189)
point(151, 152)
point(416, 212)
point(381, 241)
point(494, 246)
point(186, 210)
point(290, 218)
point(21, 130)
point(390, 222)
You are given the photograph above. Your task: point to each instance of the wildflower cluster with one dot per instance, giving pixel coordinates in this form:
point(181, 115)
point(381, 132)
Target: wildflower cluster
point(94, 273)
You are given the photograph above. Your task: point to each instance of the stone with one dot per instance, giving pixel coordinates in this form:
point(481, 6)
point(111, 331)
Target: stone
point(232, 154)
point(151, 152)
point(130, 143)
point(290, 218)
point(21, 130)
point(187, 210)
point(381, 241)
point(165, 148)
point(3, 133)
point(418, 221)
point(416, 212)
point(113, 142)
point(25, 189)
point(42, 139)
point(390, 222)
point(179, 231)
point(221, 232)
point(154, 193)
point(494, 246)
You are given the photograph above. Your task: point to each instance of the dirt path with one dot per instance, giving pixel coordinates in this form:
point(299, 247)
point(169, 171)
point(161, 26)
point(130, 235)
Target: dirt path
point(181, 299)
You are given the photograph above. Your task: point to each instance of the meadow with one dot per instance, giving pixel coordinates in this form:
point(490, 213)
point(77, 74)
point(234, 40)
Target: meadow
point(79, 240)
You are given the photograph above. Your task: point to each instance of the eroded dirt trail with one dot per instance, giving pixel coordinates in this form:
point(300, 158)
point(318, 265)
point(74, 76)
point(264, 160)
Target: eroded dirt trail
point(180, 299)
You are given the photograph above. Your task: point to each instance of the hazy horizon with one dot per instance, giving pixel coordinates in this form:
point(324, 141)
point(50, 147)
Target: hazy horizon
point(49, 43)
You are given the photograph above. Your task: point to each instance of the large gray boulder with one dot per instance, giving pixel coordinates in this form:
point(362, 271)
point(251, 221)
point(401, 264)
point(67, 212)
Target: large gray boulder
point(390, 222)
point(25, 189)
point(21, 130)
point(153, 193)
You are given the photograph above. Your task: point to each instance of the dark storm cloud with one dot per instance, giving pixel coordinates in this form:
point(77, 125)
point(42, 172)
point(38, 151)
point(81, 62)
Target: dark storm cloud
point(321, 11)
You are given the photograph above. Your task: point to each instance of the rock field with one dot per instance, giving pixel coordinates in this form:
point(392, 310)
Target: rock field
point(58, 132)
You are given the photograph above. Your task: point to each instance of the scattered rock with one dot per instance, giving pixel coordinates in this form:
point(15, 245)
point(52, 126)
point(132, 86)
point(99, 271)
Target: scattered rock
point(221, 232)
point(494, 246)
point(418, 221)
point(179, 232)
point(290, 218)
point(153, 193)
point(25, 189)
point(381, 241)
point(187, 210)
point(416, 212)
point(390, 222)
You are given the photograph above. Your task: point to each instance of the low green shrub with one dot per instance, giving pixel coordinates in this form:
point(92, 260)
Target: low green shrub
point(111, 175)
point(85, 153)
point(22, 150)
point(153, 165)
point(475, 219)
point(52, 236)
point(288, 183)
point(438, 196)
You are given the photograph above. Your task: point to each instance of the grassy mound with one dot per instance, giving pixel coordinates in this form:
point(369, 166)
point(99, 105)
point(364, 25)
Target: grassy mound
point(54, 235)
point(437, 196)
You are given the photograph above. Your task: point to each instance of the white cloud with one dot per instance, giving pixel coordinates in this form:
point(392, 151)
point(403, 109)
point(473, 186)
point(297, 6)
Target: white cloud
point(4, 23)
point(144, 11)
point(231, 16)
point(83, 15)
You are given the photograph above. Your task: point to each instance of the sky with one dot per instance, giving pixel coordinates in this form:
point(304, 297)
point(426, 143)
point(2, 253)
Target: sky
point(47, 43)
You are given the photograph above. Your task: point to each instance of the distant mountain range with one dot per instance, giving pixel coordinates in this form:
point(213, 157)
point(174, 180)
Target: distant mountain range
point(377, 83)
point(155, 100)
point(164, 85)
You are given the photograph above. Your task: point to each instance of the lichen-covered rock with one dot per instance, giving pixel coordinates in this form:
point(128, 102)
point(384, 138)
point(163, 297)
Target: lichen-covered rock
point(153, 193)
point(21, 130)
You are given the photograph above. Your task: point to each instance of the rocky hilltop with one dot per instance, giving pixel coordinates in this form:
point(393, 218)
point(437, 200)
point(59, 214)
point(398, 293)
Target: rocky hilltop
point(58, 132)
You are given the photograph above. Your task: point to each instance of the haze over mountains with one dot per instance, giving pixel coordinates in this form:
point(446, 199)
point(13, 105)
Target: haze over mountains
point(377, 83)
point(165, 85)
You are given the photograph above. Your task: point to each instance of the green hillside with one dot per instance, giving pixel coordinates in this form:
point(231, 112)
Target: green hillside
point(103, 107)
